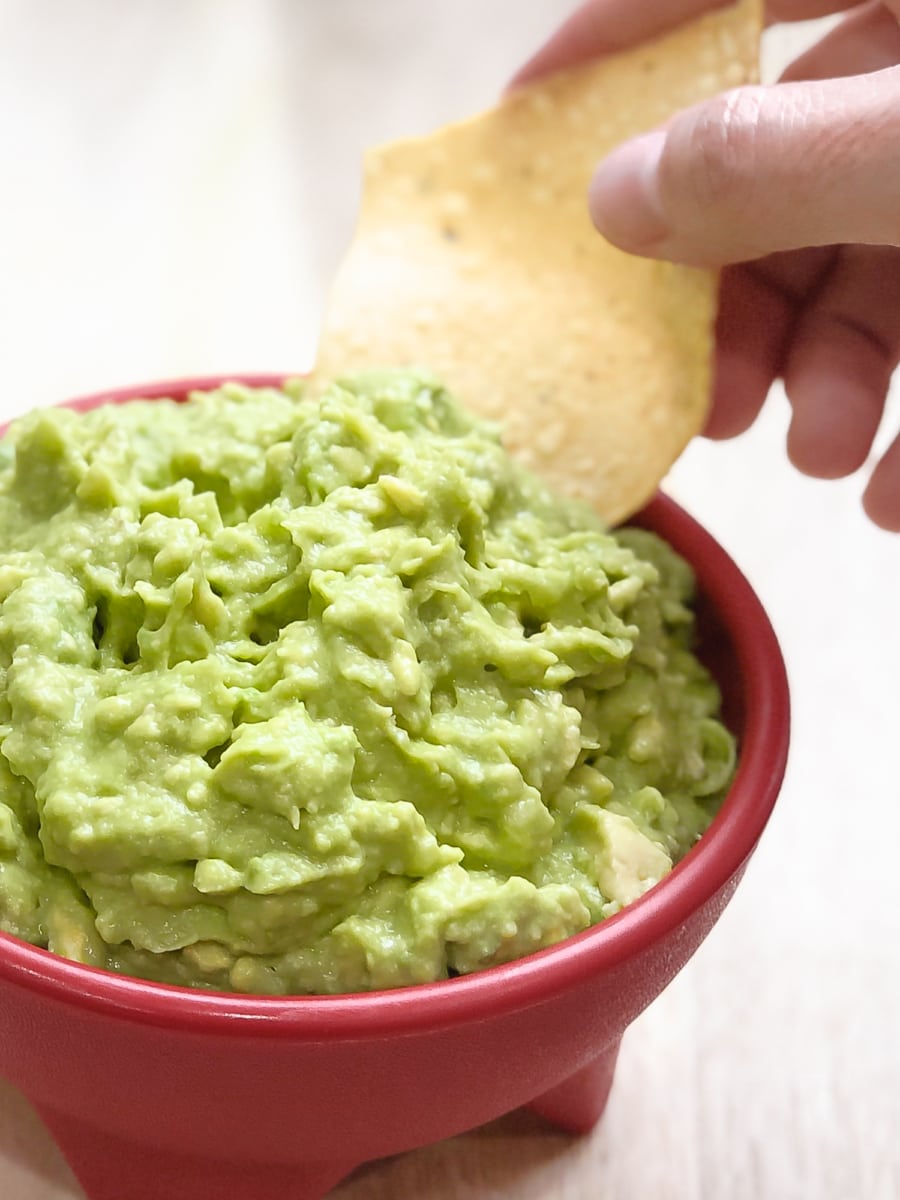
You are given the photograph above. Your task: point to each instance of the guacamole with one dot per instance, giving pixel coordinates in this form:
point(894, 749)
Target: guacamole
point(321, 695)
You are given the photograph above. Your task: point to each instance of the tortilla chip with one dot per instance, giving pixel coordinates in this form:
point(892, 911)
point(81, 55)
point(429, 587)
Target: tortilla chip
point(475, 258)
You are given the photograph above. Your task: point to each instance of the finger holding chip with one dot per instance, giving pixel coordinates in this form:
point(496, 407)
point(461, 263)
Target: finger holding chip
point(475, 257)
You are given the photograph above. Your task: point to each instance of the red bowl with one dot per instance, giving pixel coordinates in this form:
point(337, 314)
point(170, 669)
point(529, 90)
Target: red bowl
point(158, 1091)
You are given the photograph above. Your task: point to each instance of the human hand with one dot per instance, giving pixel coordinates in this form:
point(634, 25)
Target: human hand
point(795, 191)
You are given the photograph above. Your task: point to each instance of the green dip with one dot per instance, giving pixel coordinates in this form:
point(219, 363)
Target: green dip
point(304, 696)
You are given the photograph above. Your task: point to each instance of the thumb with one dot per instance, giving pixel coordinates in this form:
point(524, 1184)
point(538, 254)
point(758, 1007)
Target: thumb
point(757, 170)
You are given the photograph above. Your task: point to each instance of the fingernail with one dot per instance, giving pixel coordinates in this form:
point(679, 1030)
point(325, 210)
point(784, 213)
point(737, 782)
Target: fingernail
point(624, 197)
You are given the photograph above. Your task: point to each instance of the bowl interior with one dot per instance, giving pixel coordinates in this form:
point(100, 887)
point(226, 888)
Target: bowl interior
point(737, 643)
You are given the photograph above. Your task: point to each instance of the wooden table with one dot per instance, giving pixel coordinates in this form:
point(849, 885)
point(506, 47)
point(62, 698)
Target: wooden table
point(178, 182)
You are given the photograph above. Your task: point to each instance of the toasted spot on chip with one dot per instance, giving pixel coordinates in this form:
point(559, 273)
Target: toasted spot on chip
point(475, 257)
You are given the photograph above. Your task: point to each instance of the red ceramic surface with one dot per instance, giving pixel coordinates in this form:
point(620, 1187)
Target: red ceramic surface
point(155, 1091)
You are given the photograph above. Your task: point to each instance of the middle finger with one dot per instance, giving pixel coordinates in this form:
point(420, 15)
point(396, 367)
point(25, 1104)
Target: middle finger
point(843, 351)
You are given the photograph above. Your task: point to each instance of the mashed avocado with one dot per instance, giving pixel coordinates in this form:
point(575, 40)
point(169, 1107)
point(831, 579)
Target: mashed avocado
point(328, 695)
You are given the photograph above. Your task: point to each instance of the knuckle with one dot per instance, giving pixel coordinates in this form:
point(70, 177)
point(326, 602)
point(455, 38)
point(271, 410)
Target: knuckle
point(723, 150)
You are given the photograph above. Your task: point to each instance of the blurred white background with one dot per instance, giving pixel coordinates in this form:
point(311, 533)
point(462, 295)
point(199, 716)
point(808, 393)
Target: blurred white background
point(177, 181)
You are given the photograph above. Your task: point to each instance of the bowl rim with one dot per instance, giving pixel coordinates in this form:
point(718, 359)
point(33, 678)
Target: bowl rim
point(704, 872)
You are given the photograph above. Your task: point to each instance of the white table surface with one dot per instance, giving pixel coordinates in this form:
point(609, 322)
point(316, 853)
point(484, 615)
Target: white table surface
point(178, 180)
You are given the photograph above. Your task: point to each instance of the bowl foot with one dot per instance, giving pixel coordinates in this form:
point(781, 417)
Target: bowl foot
point(577, 1104)
point(112, 1168)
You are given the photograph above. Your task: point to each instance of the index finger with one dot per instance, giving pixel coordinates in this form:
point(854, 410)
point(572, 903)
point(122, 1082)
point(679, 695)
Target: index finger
point(601, 27)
